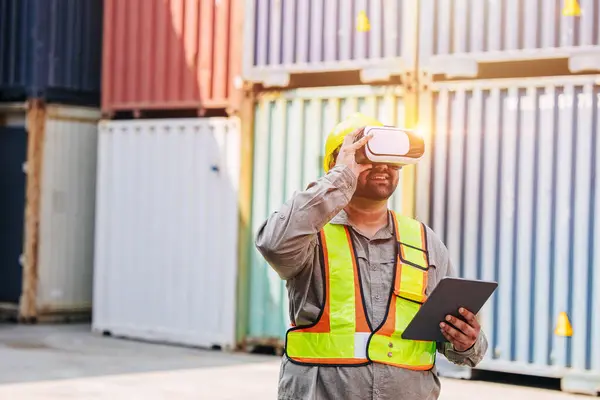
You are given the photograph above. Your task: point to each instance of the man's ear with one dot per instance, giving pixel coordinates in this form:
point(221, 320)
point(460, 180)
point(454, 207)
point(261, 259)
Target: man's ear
point(334, 158)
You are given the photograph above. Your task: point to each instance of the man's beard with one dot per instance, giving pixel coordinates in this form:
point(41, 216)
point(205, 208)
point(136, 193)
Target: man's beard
point(378, 190)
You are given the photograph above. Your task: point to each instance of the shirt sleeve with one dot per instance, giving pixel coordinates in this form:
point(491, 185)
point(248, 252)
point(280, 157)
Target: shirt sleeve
point(440, 257)
point(287, 239)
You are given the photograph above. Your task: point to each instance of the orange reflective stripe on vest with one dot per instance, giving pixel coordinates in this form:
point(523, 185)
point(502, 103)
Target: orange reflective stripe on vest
point(341, 335)
point(341, 332)
point(386, 345)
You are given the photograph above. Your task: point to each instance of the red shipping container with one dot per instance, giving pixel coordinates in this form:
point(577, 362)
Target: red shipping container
point(171, 55)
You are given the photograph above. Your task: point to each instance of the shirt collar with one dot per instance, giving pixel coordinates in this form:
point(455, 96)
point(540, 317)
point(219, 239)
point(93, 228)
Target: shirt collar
point(341, 218)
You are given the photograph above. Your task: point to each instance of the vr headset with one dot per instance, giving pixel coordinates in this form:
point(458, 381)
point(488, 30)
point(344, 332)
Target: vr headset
point(390, 145)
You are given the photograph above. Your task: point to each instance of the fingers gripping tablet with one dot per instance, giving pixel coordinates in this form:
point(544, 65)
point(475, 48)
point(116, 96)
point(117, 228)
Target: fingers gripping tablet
point(446, 299)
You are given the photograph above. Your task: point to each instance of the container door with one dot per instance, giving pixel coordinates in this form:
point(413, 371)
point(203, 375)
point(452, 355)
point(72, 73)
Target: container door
point(67, 206)
point(289, 139)
point(513, 194)
point(13, 150)
point(166, 230)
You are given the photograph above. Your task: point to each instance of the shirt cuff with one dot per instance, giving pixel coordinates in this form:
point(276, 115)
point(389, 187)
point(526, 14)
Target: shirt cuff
point(470, 357)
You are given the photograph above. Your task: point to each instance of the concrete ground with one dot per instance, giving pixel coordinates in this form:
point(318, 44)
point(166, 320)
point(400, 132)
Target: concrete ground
point(68, 362)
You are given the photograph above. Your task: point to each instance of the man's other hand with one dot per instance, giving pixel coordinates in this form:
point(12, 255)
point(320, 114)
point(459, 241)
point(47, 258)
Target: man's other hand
point(467, 333)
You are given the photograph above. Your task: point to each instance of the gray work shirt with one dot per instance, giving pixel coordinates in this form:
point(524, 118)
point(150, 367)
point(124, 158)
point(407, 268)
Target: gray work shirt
point(288, 241)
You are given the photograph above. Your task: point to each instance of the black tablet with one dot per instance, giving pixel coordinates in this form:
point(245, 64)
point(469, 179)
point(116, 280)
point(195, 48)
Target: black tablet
point(448, 296)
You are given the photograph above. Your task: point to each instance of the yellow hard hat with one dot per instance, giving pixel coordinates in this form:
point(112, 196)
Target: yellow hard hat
point(336, 136)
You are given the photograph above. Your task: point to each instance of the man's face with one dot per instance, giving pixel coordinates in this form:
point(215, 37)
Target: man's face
point(377, 183)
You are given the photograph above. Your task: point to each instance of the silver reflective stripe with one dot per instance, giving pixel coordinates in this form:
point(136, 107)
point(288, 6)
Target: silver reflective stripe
point(360, 344)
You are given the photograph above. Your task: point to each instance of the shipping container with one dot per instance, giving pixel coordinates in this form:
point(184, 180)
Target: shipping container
point(454, 36)
point(166, 230)
point(171, 55)
point(289, 137)
point(51, 49)
point(282, 38)
point(511, 186)
point(48, 210)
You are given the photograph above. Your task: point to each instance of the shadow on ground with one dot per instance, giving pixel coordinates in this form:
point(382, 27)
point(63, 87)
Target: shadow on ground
point(31, 353)
point(518, 380)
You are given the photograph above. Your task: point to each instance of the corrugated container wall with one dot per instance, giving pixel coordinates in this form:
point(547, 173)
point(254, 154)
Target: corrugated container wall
point(67, 207)
point(51, 49)
point(289, 138)
point(455, 35)
point(166, 230)
point(284, 37)
point(511, 185)
point(171, 54)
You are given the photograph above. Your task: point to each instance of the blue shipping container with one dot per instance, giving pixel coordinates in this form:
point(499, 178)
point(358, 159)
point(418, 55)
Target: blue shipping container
point(51, 49)
point(456, 36)
point(510, 183)
point(284, 38)
point(13, 151)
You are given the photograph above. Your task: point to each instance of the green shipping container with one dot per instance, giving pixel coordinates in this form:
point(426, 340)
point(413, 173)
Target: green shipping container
point(290, 129)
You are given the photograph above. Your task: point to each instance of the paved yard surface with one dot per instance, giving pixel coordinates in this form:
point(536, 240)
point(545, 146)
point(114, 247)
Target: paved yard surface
point(68, 362)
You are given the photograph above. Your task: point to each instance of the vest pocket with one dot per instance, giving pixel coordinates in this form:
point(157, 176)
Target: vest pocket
point(412, 284)
point(413, 256)
point(413, 297)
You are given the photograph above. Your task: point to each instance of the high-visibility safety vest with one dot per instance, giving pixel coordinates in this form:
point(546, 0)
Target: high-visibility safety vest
point(342, 335)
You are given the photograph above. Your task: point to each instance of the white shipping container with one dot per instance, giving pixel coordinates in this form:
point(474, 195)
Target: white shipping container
point(62, 280)
point(166, 230)
point(66, 247)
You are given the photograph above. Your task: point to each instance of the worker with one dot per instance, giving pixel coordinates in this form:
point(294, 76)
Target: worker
point(356, 273)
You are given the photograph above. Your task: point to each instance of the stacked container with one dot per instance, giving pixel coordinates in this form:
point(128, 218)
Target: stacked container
point(49, 98)
point(203, 135)
point(500, 90)
point(292, 38)
point(510, 181)
point(168, 171)
point(174, 55)
point(312, 63)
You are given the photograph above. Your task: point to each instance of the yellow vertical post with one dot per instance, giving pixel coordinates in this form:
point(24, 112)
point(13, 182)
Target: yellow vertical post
point(411, 98)
point(410, 35)
point(411, 109)
point(423, 168)
point(245, 211)
point(36, 119)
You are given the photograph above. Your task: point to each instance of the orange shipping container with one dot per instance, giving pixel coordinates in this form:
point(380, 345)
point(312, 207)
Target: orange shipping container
point(171, 55)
